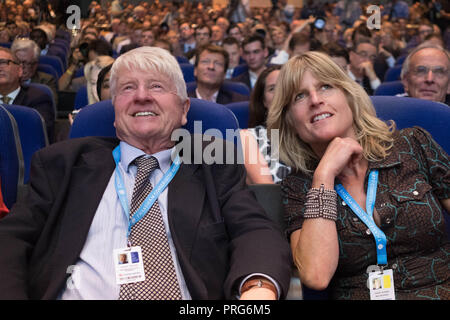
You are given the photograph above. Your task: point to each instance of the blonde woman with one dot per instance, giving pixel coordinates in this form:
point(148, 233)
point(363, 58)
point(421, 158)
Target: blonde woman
point(385, 219)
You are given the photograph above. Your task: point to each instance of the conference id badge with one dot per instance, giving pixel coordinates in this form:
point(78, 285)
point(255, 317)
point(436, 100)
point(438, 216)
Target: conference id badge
point(129, 265)
point(381, 285)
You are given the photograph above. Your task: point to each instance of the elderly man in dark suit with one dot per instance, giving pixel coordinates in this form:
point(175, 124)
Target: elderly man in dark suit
point(27, 53)
point(211, 64)
point(198, 234)
point(12, 92)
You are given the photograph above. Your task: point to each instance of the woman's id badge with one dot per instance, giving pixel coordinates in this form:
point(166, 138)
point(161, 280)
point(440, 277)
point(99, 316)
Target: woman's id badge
point(129, 265)
point(381, 285)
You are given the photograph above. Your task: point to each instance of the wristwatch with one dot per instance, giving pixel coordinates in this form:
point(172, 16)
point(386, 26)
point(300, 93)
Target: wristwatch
point(260, 283)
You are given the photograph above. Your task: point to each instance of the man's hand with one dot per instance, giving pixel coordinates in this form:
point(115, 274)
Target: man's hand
point(367, 68)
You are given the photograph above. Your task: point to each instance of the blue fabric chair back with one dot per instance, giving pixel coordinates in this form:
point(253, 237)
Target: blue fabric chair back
point(227, 85)
point(46, 89)
point(407, 112)
point(182, 59)
point(58, 52)
point(48, 69)
point(239, 69)
point(62, 46)
point(32, 133)
point(238, 87)
point(393, 74)
point(241, 111)
point(79, 73)
point(55, 62)
point(400, 60)
point(97, 119)
point(390, 88)
point(11, 158)
point(81, 98)
point(188, 72)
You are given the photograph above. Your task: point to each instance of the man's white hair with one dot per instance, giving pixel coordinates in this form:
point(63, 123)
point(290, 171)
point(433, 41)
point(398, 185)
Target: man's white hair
point(149, 59)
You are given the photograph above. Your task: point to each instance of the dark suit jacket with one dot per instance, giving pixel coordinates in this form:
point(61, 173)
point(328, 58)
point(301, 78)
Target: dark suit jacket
point(244, 78)
point(36, 99)
point(224, 97)
point(219, 230)
point(48, 80)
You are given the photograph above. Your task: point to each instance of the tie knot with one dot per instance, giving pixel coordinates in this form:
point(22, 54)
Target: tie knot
point(145, 165)
point(6, 99)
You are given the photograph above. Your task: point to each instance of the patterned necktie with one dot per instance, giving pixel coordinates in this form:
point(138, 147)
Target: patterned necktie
point(6, 99)
point(150, 234)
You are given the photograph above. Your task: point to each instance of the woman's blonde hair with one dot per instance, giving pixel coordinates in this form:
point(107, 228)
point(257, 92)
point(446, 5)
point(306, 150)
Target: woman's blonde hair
point(374, 135)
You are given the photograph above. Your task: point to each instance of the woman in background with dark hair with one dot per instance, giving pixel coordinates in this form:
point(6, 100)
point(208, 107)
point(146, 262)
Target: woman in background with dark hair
point(103, 83)
point(261, 166)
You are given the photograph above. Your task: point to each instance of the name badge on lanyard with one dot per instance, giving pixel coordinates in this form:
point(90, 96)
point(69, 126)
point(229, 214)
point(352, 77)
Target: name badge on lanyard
point(381, 282)
point(128, 261)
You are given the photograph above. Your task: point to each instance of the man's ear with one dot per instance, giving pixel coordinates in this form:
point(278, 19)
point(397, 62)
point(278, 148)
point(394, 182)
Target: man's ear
point(405, 83)
point(186, 105)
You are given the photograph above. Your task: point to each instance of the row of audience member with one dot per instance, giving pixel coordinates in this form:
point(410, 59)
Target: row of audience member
point(314, 107)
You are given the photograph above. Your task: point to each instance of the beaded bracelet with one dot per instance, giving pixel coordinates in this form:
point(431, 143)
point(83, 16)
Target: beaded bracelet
point(321, 203)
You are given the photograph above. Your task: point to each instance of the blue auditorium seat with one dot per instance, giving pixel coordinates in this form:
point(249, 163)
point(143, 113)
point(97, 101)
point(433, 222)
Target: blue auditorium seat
point(393, 74)
point(241, 111)
point(408, 112)
point(11, 158)
point(390, 88)
point(239, 69)
point(400, 60)
point(81, 98)
point(48, 69)
point(182, 59)
point(55, 62)
point(46, 89)
point(188, 72)
point(32, 133)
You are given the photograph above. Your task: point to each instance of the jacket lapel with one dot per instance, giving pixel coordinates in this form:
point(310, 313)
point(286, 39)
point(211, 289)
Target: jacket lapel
point(20, 96)
point(88, 183)
point(185, 207)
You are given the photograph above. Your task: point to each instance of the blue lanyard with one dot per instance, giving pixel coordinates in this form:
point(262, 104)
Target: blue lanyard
point(151, 198)
point(367, 217)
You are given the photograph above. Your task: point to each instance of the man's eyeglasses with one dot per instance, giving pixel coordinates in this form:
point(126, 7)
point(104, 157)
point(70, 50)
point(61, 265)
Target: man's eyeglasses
point(423, 71)
point(5, 62)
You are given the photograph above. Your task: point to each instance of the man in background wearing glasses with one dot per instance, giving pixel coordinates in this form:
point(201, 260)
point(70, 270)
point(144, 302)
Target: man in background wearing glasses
point(27, 53)
point(361, 68)
point(425, 73)
point(12, 92)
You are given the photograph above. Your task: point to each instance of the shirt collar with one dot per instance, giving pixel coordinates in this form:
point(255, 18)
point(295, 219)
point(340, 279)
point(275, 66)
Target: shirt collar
point(13, 94)
point(213, 98)
point(253, 77)
point(391, 160)
point(128, 154)
point(350, 73)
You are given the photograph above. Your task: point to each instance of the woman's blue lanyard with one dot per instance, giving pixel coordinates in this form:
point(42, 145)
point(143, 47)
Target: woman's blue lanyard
point(367, 218)
point(151, 198)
